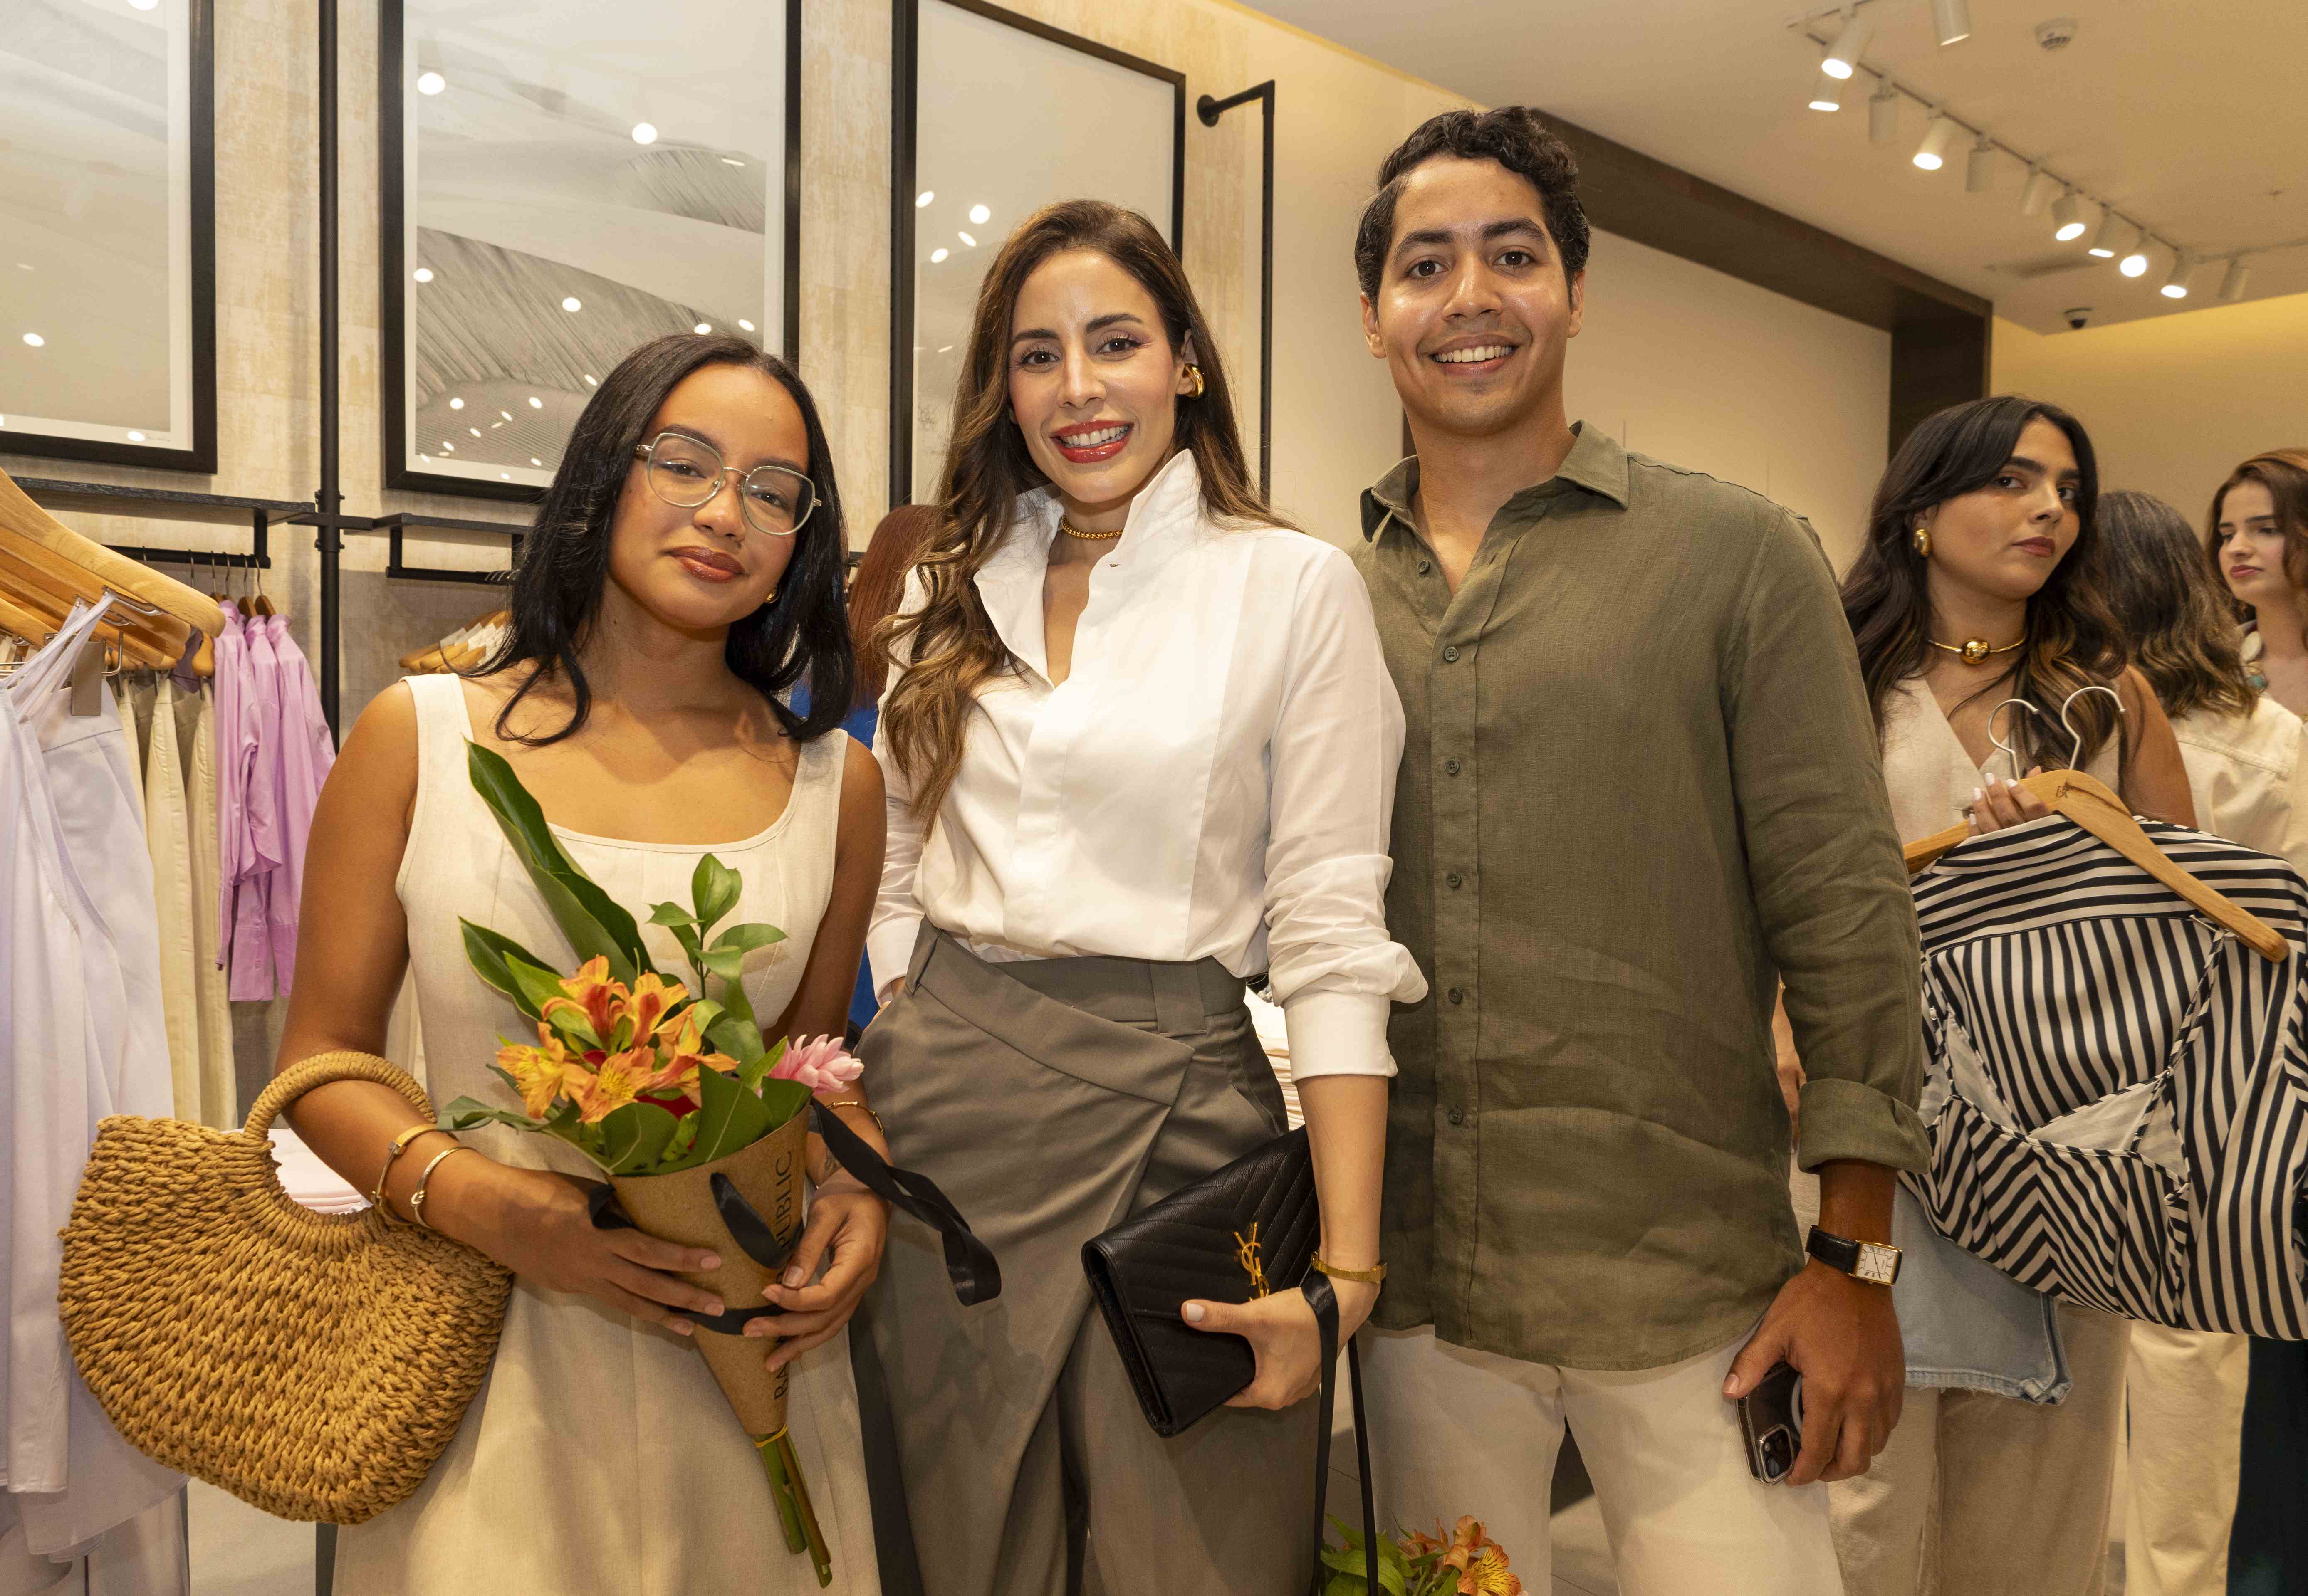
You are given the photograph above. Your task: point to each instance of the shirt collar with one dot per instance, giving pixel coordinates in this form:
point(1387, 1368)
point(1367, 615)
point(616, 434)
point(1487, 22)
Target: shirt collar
point(1595, 463)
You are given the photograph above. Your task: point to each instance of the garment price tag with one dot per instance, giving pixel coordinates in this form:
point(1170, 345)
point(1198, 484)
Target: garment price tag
point(88, 678)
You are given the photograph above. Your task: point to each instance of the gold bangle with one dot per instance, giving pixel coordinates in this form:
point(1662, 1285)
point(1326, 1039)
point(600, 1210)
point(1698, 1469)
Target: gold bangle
point(860, 1103)
point(401, 1143)
point(417, 1198)
point(1370, 1276)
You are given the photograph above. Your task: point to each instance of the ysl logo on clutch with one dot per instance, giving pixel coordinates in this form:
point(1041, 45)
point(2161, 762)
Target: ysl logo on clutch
point(1246, 1254)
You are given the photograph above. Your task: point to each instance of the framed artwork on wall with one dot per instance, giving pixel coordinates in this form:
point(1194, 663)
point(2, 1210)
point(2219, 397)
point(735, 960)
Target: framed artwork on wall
point(107, 231)
point(562, 181)
point(985, 105)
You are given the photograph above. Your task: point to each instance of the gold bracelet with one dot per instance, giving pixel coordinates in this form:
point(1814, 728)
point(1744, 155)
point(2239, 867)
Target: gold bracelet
point(1370, 1276)
point(401, 1143)
point(417, 1198)
point(860, 1103)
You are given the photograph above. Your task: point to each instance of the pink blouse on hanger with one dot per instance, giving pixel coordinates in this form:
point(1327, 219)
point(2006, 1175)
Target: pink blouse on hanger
point(249, 748)
point(303, 754)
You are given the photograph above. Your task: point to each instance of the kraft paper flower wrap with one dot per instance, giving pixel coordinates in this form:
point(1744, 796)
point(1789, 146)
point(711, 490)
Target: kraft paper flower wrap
point(702, 1128)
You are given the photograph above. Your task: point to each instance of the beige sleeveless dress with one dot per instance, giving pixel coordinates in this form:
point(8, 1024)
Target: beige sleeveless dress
point(601, 1456)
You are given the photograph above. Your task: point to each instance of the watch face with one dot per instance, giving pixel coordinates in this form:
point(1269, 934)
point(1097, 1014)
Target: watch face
point(1877, 1263)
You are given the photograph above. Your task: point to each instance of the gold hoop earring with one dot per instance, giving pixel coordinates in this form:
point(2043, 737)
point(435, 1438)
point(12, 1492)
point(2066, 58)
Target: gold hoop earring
point(1923, 541)
point(1194, 376)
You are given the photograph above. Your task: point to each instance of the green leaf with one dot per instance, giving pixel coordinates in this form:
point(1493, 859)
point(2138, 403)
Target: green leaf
point(705, 1011)
point(540, 987)
point(741, 1039)
point(730, 1118)
point(635, 1137)
point(728, 963)
point(684, 1136)
point(752, 1072)
point(692, 949)
point(469, 1111)
point(670, 914)
point(595, 924)
point(736, 1005)
point(488, 952)
point(713, 887)
point(746, 938)
point(783, 1100)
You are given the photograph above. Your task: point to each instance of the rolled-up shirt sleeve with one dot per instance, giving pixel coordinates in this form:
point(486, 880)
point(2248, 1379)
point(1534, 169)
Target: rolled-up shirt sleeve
point(1336, 744)
point(897, 906)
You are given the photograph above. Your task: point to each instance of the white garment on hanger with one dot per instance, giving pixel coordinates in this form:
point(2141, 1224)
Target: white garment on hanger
point(219, 1089)
point(167, 835)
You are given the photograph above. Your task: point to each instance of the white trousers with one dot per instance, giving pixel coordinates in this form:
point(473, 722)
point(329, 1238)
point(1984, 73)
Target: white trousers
point(2183, 1394)
point(1457, 1431)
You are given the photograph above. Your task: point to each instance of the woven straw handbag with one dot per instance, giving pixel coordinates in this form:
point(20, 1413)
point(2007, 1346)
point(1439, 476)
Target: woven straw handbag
point(315, 1365)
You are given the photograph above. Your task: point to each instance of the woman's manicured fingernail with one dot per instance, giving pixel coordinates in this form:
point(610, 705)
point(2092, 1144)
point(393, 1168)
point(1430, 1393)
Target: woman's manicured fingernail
point(684, 1327)
point(1194, 1312)
point(709, 1261)
point(1731, 1386)
point(1976, 794)
point(793, 1277)
point(1991, 779)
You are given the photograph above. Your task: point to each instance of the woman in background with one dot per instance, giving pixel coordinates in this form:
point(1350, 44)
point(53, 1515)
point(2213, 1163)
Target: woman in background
point(1970, 590)
point(2257, 543)
point(2185, 1389)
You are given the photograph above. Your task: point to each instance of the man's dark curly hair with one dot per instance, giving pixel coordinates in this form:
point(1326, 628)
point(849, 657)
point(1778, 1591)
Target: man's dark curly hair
point(1514, 137)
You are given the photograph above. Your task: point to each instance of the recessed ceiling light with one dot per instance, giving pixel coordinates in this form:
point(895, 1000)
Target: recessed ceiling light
point(924, 198)
point(572, 305)
point(980, 214)
point(424, 274)
point(748, 326)
point(474, 430)
point(644, 133)
point(936, 256)
point(535, 461)
point(967, 239)
point(448, 447)
point(1931, 155)
point(534, 403)
point(589, 381)
point(2067, 217)
point(1850, 43)
point(505, 414)
point(945, 348)
point(731, 160)
point(505, 477)
point(495, 425)
point(137, 437)
point(430, 82)
point(456, 404)
point(37, 341)
point(702, 327)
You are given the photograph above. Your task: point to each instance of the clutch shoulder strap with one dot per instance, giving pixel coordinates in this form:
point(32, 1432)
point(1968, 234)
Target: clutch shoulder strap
point(1324, 1302)
point(320, 1070)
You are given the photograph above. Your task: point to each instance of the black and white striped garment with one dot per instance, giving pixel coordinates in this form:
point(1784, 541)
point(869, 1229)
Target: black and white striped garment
point(2117, 1089)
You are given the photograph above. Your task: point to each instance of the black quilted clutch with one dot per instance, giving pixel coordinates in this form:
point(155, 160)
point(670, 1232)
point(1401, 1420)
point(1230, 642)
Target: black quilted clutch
point(1240, 1232)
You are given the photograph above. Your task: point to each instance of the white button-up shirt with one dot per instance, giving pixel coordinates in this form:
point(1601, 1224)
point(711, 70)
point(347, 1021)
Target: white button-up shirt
point(1214, 778)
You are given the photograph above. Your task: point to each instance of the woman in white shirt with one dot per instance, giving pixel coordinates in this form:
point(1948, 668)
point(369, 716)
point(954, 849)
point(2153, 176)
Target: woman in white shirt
point(1140, 745)
point(2185, 1389)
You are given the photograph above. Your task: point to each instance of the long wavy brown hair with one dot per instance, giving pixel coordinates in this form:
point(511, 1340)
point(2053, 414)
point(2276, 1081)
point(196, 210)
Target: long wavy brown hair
point(2283, 473)
point(952, 646)
point(877, 588)
point(2072, 642)
point(2177, 614)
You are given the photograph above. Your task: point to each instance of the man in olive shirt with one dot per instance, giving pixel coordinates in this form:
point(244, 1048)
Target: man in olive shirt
point(1640, 789)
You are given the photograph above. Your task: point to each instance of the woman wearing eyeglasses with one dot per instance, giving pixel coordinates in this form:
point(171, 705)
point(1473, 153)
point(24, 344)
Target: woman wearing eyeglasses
point(685, 570)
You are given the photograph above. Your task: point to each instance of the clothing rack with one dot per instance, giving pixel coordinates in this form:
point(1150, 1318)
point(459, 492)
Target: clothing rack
point(397, 569)
point(174, 504)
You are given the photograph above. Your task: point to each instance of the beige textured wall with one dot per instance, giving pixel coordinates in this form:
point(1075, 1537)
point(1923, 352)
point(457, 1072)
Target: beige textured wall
point(2173, 402)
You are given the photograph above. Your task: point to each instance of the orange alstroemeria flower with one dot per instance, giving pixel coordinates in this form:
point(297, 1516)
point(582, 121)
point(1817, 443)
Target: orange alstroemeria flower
point(652, 995)
point(1480, 1562)
point(538, 1072)
point(593, 995)
point(610, 1085)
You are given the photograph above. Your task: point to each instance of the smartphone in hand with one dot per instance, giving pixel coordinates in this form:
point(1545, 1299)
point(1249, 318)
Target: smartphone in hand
point(1771, 1419)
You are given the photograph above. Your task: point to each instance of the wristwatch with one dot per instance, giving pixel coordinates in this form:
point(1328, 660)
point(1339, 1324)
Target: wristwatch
point(1871, 1261)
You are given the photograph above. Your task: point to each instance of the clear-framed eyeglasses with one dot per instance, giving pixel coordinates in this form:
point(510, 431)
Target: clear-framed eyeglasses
point(687, 472)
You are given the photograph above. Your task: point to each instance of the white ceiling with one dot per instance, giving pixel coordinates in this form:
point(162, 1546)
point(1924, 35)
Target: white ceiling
point(2188, 119)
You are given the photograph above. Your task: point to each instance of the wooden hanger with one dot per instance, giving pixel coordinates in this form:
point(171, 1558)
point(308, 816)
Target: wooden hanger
point(2090, 804)
point(22, 625)
point(50, 563)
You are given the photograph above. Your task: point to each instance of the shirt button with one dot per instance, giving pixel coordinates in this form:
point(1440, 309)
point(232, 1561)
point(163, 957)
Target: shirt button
point(1450, 655)
point(1458, 995)
point(1450, 766)
point(1424, 566)
point(1452, 880)
point(1458, 1116)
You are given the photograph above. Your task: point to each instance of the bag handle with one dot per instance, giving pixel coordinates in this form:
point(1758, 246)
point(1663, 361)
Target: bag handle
point(970, 1263)
point(1324, 1302)
point(320, 1070)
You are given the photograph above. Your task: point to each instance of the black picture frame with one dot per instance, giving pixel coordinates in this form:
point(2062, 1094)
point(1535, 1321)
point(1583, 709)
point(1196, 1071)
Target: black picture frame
point(905, 84)
point(201, 457)
point(392, 278)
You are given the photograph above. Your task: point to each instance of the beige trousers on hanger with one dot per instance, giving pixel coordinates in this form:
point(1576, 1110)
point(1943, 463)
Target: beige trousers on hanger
point(168, 837)
point(197, 738)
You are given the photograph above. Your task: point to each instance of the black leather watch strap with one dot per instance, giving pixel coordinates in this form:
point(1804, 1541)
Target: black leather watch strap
point(1869, 1261)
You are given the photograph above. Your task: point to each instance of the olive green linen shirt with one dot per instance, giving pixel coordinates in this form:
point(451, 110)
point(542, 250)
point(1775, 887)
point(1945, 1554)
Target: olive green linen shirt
point(1641, 787)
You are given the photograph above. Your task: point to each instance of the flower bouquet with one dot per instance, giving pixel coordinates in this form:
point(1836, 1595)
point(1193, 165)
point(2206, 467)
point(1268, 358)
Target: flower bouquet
point(702, 1128)
point(1468, 1564)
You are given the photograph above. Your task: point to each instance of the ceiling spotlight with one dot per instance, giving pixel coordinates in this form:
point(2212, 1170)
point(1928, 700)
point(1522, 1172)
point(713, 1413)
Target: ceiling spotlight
point(1849, 45)
point(1938, 133)
point(505, 477)
point(2176, 287)
point(534, 403)
point(1979, 167)
point(980, 215)
point(424, 274)
point(474, 430)
point(702, 327)
point(572, 305)
point(1827, 94)
point(748, 326)
point(1951, 21)
point(644, 133)
point(924, 198)
point(2067, 217)
point(137, 437)
point(447, 447)
point(967, 239)
point(535, 461)
point(427, 83)
point(2135, 263)
point(2233, 281)
point(2038, 192)
point(504, 416)
point(36, 341)
point(937, 256)
point(456, 404)
point(1883, 113)
point(2102, 243)
point(589, 381)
